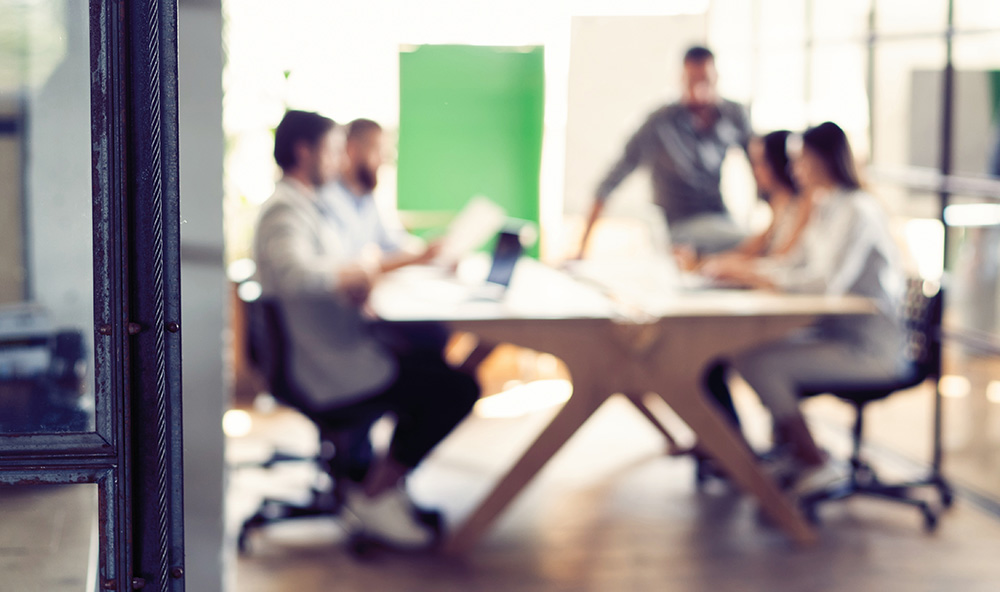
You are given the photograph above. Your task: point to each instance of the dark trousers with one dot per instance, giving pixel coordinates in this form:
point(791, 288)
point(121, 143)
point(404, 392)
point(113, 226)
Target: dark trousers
point(428, 399)
point(718, 389)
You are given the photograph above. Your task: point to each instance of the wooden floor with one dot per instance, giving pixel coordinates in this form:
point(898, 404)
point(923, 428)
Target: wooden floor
point(611, 513)
point(48, 537)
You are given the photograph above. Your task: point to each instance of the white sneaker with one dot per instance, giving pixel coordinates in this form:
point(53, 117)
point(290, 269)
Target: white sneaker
point(389, 518)
point(782, 468)
point(819, 478)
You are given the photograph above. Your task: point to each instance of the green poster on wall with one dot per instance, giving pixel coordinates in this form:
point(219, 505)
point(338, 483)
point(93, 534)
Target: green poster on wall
point(470, 123)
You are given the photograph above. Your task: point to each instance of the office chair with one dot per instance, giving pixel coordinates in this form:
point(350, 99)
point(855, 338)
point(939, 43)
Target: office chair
point(268, 351)
point(921, 314)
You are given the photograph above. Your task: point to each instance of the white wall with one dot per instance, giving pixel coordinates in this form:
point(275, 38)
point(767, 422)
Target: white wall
point(209, 559)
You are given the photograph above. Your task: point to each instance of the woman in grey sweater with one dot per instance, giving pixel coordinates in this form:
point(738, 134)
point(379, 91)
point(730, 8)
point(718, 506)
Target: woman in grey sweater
point(846, 248)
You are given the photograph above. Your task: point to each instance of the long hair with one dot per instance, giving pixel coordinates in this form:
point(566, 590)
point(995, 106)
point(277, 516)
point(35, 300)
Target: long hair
point(830, 144)
point(776, 155)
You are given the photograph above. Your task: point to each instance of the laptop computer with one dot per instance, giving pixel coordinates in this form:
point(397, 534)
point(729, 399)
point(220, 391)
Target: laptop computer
point(506, 252)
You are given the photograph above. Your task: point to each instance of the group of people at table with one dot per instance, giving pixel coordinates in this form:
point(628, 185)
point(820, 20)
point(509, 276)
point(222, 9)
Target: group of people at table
point(321, 244)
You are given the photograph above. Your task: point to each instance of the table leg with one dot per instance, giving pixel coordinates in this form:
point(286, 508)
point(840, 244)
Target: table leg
point(718, 439)
point(673, 448)
point(480, 352)
point(573, 414)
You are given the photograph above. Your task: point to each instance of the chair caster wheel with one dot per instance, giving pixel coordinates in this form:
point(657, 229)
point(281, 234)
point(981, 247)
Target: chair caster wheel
point(810, 514)
point(243, 544)
point(361, 546)
point(706, 470)
point(930, 520)
point(700, 477)
point(432, 519)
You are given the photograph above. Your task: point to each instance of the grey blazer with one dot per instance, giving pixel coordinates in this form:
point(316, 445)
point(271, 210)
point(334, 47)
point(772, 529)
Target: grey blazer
point(334, 358)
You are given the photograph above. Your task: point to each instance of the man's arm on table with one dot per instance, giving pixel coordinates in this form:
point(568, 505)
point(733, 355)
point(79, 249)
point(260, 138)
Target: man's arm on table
point(398, 259)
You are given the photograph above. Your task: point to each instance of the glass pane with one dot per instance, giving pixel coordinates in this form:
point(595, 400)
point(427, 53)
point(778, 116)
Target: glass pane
point(730, 35)
point(736, 73)
point(977, 105)
point(977, 14)
point(780, 99)
point(781, 22)
point(844, 19)
point(904, 202)
point(837, 91)
point(906, 16)
point(48, 537)
point(46, 251)
point(974, 241)
point(730, 25)
point(907, 103)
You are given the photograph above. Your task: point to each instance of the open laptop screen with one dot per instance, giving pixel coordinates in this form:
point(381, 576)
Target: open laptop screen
point(505, 255)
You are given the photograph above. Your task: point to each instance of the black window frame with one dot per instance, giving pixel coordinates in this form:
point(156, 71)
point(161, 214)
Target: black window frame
point(134, 456)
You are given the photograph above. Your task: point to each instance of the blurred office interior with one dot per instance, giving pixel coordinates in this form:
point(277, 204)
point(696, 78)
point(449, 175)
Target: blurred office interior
point(915, 85)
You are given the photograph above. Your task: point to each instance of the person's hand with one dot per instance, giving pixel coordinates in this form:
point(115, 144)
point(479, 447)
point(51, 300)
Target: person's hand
point(355, 283)
point(429, 253)
point(686, 257)
point(729, 260)
point(735, 272)
point(595, 213)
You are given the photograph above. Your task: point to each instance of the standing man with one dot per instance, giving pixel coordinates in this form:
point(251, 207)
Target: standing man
point(341, 370)
point(684, 144)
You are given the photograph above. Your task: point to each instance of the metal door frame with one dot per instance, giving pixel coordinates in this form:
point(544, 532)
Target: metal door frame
point(134, 455)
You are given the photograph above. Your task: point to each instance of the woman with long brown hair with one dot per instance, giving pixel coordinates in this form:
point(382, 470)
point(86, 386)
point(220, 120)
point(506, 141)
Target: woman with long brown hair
point(845, 248)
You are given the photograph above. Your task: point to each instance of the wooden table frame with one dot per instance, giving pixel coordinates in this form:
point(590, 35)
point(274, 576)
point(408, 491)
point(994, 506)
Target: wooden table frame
point(665, 354)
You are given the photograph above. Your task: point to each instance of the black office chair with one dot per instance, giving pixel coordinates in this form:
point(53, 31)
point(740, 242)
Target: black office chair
point(922, 316)
point(268, 351)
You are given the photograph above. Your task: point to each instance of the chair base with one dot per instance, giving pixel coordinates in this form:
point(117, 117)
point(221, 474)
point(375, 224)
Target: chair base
point(325, 502)
point(864, 482)
point(271, 511)
point(325, 499)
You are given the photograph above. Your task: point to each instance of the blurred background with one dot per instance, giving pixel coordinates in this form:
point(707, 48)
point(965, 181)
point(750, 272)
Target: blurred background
point(552, 90)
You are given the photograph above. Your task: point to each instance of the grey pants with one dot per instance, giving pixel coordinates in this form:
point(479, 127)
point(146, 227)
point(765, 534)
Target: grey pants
point(780, 370)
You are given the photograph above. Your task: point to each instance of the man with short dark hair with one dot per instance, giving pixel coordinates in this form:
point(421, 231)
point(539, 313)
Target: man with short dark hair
point(339, 366)
point(684, 144)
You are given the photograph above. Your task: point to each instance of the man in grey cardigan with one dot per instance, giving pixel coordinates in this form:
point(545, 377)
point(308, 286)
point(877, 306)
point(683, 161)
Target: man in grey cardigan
point(684, 144)
point(339, 366)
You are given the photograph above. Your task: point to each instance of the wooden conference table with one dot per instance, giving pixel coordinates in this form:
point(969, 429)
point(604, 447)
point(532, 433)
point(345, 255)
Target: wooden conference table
point(645, 335)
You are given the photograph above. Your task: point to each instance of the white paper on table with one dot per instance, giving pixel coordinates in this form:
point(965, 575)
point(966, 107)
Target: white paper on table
point(478, 222)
